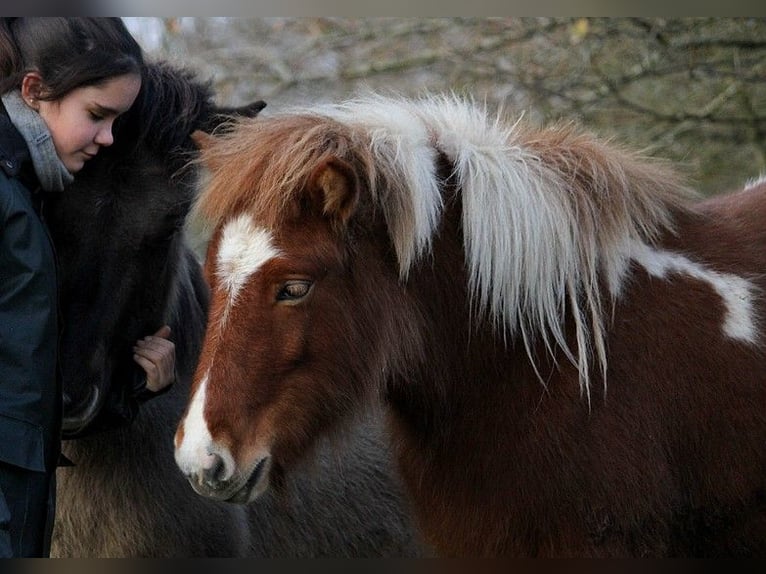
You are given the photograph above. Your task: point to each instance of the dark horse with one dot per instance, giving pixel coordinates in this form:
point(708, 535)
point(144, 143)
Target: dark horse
point(125, 270)
point(570, 345)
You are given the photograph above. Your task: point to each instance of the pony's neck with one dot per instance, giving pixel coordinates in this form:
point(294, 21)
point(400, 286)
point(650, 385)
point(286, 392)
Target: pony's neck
point(458, 341)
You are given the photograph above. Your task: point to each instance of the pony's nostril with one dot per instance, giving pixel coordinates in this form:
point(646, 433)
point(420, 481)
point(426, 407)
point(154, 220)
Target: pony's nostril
point(214, 472)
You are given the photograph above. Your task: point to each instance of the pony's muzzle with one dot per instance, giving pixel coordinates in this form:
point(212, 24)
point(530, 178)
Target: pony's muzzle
point(79, 412)
point(210, 474)
point(213, 473)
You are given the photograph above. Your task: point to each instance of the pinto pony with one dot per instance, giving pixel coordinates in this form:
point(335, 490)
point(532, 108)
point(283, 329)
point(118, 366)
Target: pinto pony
point(568, 343)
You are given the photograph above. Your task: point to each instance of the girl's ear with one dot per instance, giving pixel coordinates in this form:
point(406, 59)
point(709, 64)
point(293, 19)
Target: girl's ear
point(31, 89)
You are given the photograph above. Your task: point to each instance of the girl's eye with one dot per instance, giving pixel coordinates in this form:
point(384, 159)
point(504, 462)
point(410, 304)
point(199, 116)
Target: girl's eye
point(96, 117)
point(295, 290)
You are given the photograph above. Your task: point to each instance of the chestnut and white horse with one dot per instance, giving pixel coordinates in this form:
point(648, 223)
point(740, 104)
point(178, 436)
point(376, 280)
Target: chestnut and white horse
point(569, 343)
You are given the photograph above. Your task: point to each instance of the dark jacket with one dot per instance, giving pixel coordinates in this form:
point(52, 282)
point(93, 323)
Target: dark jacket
point(30, 391)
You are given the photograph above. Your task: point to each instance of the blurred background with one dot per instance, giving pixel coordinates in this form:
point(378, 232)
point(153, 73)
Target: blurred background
point(689, 89)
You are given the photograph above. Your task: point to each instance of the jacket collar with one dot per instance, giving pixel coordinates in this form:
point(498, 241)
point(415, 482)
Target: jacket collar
point(14, 153)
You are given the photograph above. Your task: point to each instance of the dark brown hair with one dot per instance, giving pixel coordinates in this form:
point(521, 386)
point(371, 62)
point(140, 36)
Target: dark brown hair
point(68, 53)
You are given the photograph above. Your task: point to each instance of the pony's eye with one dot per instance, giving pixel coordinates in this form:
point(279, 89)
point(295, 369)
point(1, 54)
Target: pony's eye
point(294, 290)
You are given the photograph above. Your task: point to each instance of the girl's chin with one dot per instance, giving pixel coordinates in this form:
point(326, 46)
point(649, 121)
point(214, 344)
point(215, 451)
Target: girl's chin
point(74, 165)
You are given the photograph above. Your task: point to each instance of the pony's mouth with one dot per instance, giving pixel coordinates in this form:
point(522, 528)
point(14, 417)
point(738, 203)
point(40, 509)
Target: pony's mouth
point(256, 483)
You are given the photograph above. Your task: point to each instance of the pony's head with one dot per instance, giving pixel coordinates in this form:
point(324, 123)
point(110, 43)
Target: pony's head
point(295, 244)
point(322, 227)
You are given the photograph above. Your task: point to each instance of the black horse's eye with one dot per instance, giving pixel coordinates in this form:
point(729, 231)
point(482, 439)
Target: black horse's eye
point(294, 290)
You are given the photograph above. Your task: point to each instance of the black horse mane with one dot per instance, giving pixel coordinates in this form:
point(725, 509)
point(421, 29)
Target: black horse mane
point(171, 105)
point(166, 110)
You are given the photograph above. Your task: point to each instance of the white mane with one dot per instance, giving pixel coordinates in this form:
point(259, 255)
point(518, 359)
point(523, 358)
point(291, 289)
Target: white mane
point(536, 242)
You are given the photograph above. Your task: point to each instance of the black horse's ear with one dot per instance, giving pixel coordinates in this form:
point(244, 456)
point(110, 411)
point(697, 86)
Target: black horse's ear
point(248, 110)
point(225, 118)
point(334, 189)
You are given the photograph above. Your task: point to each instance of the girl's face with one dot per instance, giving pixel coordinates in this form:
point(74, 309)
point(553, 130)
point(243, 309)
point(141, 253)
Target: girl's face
point(81, 122)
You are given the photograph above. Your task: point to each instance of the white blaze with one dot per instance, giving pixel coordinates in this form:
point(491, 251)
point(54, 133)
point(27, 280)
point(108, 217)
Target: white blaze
point(243, 249)
point(195, 451)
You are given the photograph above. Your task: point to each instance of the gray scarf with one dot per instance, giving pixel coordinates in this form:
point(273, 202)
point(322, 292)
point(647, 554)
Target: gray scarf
point(49, 168)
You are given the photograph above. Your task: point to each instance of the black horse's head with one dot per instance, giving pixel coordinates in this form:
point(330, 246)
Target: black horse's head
point(118, 236)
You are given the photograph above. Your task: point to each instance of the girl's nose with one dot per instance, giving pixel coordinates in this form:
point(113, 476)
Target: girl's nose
point(104, 137)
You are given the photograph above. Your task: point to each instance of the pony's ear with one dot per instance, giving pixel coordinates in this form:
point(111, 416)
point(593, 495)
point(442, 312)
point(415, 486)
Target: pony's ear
point(334, 189)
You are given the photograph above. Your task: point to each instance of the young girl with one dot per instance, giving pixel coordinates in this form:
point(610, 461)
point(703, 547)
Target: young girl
point(63, 81)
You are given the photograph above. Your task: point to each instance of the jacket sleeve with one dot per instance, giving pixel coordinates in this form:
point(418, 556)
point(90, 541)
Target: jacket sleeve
point(29, 392)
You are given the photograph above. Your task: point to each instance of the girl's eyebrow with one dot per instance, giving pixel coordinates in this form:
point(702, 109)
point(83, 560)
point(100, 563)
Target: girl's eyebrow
point(106, 110)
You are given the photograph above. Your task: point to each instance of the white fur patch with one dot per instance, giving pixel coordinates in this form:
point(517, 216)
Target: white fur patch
point(244, 248)
point(736, 292)
point(755, 182)
point(196, 452)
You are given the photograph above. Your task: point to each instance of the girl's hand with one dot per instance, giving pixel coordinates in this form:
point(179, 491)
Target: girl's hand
point(156, 354)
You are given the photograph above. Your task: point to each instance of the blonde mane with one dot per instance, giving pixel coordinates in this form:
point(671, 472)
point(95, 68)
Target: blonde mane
point(549, 215)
